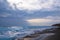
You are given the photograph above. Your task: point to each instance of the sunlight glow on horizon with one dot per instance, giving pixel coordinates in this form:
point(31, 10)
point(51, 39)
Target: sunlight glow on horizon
point(42, 21)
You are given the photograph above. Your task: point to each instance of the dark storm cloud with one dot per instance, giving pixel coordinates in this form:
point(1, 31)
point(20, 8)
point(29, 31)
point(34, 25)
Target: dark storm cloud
point(10, 17)
point(16, 17)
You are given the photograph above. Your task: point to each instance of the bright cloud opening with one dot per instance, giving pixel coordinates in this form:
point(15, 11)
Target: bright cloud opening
point(31, 4)
point(39, 20)
point(48, 21)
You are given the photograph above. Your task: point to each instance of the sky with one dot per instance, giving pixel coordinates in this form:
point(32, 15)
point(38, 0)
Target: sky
point(29, 12)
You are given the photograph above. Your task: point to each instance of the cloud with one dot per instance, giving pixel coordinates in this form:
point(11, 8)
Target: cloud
point(5, 15)
point(1, 0)
point(3, 5)
point(39, 20)
point(32, 5)
point(53, 17)
point(15, 13)
point(46, 21)
point(12, 21)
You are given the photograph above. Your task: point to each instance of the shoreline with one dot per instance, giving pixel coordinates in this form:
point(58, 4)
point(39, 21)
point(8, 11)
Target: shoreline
point(48, 33)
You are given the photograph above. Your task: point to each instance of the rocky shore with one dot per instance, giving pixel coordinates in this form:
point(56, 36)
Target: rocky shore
point(56, 25)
